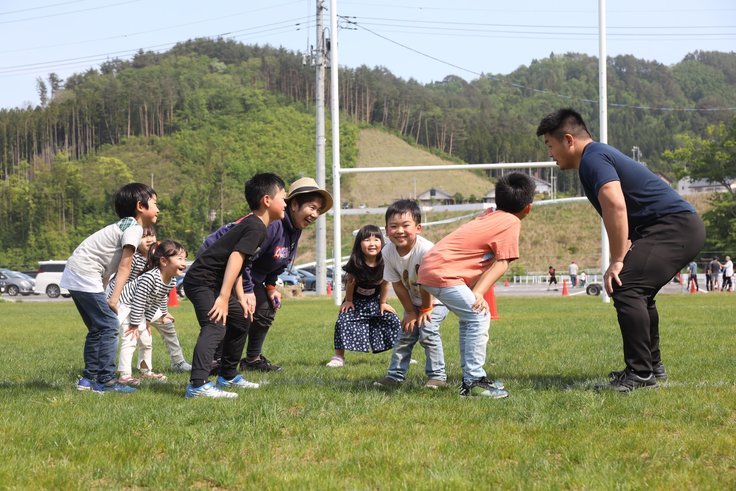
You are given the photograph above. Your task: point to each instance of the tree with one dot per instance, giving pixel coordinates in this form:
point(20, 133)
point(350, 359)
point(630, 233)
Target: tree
point(713, 158)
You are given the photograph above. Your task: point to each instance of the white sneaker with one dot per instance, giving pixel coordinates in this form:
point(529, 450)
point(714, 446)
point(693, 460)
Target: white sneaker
point(336, 362)
point(208, 390)
point(182, 366)
point(237, 382)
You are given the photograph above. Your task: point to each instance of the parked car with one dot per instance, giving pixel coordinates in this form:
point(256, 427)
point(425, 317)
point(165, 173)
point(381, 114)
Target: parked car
point(289, 278)
point(17, 283)
point(48, 278)
point(309, 279)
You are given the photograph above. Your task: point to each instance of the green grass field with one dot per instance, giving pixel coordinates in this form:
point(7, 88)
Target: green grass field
point(312, 427)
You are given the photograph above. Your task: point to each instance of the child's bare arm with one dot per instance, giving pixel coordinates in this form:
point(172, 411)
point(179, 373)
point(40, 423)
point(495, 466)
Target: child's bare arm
point(347, 304)
point(218, 312)
point(408, 323)
point(122, 275)
point(486, 281)
point(383, 299)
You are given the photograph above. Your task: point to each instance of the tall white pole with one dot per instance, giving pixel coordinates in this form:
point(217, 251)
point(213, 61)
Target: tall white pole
point(603, 117)
point(335, 114)
point(321, 242)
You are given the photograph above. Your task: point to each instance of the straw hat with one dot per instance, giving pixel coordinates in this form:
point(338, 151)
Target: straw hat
point(308, 185)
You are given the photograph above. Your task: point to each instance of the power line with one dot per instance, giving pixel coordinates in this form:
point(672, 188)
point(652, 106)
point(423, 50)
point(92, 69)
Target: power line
point(531, 89)
point(68, 13)
point(41, 7)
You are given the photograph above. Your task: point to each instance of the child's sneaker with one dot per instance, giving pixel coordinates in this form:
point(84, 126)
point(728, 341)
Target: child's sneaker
point(238, 382)
point(112, 386)
point(84, 384)
point(435, 383)
point(182, 366)
point(208, 390)
point(387, 382)
point(151, 375)
point(336, 362)
point(128, 380)
point(483, 388)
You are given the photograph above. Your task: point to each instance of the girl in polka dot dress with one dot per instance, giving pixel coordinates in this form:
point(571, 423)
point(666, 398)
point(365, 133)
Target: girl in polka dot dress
point(366, 322)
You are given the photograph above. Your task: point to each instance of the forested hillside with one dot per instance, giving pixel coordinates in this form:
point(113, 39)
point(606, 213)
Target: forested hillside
point(197, 120)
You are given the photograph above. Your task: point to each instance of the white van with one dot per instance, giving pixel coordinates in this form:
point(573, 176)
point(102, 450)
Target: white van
point(49, 277)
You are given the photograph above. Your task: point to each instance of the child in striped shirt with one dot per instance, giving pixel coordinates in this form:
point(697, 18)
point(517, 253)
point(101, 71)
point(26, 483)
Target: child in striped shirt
point(143, 302)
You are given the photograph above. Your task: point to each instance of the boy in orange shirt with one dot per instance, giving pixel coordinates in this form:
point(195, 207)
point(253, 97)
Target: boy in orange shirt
point(464, 265)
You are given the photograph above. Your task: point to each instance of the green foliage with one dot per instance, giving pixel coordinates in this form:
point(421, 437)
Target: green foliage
point(200, 118)
point(712, 158)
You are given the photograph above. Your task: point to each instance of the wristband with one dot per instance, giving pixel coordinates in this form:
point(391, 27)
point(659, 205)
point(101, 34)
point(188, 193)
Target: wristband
point(427, 310)
point(270, 288)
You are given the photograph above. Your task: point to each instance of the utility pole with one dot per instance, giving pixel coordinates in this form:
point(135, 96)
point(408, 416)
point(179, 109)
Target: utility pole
point(321, 243)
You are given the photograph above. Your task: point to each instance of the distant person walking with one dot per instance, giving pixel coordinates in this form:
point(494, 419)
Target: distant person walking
point(714, 266)
point(572, 269)
point(551, 277)
point(727, 274)
point(692, 270)
point(637, 206)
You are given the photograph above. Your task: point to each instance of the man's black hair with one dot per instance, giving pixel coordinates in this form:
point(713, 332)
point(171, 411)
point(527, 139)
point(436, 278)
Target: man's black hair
point(514, 191)
point(260, 185)
point(129, 196)
point(563, 121)
point(300, 199)
point(401, 206)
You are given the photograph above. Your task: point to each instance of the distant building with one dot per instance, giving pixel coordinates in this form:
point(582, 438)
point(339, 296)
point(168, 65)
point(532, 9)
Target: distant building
point(434, 196)
point(541, 187)
point(693, 186)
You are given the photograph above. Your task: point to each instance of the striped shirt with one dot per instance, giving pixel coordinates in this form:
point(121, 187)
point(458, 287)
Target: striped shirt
point(147, 295)
point(136, 269)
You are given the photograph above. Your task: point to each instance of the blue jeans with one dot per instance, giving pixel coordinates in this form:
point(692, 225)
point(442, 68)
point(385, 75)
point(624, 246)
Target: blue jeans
point(101, 345)
point(428, 336)
point(474, 328)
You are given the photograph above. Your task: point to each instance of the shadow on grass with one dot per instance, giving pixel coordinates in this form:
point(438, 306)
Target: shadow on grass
point(555, 382)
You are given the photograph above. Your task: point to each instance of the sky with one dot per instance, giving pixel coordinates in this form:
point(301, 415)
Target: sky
point(421, 39)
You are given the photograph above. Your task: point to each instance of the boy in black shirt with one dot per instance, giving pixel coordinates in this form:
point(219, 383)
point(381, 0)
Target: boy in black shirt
point(214, 286)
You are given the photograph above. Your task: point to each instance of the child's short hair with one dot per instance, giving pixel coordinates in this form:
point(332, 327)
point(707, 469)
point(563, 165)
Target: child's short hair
point(514, 191)
point(149, 231)
point(166, 248)
point(402, 206)
point(260, 185)
point(129, 196)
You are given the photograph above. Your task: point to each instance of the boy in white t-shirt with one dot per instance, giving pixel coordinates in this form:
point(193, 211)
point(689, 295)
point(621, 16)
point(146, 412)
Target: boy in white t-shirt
point(422, 314)
point(88, 270)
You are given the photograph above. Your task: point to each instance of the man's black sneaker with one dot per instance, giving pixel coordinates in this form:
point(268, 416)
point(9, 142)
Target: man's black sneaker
point(629, 381)
point(261, 364)
point(484, 388)
point(659, 373)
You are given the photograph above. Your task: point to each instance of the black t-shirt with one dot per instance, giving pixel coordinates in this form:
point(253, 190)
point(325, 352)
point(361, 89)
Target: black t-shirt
point(368, 279)
point(209, 267)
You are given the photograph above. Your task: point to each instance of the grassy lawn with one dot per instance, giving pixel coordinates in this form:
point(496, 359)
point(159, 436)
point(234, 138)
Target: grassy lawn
point(311, 427)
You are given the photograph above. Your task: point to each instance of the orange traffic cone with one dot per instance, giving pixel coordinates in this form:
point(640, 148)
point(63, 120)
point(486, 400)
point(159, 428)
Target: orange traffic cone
point(329, 288)
point(173, 298)
point(692, 287)
point(506, 283)
point(490, 298)
point(564, 288)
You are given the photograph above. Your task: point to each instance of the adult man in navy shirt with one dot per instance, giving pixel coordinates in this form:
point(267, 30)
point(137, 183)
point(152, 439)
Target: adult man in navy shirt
point(637, 206)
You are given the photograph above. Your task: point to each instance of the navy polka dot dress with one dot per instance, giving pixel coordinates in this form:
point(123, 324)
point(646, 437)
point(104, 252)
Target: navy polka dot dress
point(364, 328)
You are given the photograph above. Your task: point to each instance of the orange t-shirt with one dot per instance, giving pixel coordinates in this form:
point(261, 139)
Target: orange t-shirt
point(456, 259)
